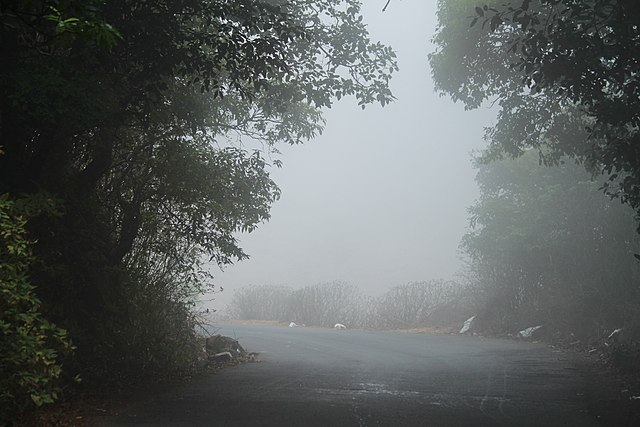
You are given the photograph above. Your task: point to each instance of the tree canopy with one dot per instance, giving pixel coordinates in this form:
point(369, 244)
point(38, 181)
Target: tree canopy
point(564, 72)
point(547, 248)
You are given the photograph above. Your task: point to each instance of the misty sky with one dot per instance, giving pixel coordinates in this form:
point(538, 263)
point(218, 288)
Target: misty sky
point(380, 199)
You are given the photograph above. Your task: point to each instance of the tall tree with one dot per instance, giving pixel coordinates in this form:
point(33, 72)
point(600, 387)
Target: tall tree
point(548, 248)
point(129, 114)
point(565, 73)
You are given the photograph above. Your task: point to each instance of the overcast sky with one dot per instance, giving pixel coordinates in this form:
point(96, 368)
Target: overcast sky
point(380, 198)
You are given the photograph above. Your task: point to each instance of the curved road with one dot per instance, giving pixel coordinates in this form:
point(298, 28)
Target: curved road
point(326, 377)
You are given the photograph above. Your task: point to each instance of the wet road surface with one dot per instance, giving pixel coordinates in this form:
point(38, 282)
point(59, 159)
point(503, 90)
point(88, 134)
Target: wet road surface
point(326, 377)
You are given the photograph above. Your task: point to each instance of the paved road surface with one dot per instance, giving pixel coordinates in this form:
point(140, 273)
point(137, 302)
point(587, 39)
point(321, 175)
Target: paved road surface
point(326, 377)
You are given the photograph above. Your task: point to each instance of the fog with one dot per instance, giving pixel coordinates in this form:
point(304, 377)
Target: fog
point(137, 138)
point(380, 198)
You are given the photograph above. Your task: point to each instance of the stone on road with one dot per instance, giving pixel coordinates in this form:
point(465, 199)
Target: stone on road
point(328, 377)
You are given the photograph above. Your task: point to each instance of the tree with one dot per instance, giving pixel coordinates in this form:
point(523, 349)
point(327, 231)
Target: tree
point(564, 73)
point(411, 305)
point(548, 249)
point(135, 114)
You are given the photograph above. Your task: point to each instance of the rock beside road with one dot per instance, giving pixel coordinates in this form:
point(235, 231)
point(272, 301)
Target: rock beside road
point(222, 350)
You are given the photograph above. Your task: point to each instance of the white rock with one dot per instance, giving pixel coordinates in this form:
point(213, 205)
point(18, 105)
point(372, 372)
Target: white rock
point(340, 326)
point(467, 325)
point(527, 333)
point(293, 325)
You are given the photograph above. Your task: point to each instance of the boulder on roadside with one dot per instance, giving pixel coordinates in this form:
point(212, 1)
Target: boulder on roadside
point(221, 351)
point(216, 344)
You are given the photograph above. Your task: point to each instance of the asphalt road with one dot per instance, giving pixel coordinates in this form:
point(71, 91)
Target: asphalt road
point(326, 377)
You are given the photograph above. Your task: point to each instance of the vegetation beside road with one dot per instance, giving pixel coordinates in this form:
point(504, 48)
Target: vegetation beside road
point(544, 248)
point(407, 306)
point(150, 128)
point(554, 237)
point(124, 169)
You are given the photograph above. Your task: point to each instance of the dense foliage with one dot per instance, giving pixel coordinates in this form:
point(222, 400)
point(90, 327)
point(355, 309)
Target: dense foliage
point(139, 118)
point(547, 248)
point(564, 72)
point(31, 347)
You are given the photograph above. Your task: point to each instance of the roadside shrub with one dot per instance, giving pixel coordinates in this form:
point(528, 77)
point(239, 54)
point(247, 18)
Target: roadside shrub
point(413, 304)
point(263, 303)
point(434, 303)
point(30, 346)
point(325, 304)
point(150, 334)
point(364, 313)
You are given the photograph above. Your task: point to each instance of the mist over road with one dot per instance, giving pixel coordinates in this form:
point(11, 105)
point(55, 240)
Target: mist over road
point(326, 377)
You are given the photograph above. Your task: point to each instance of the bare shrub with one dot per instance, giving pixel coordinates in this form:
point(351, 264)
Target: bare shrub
point(413, 304)
point(435, 303)
point(262, 303)
point(320, 305)
point(327, 303)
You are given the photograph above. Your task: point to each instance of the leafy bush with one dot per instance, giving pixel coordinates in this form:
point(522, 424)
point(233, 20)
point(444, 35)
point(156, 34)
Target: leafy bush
point(30, 346)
